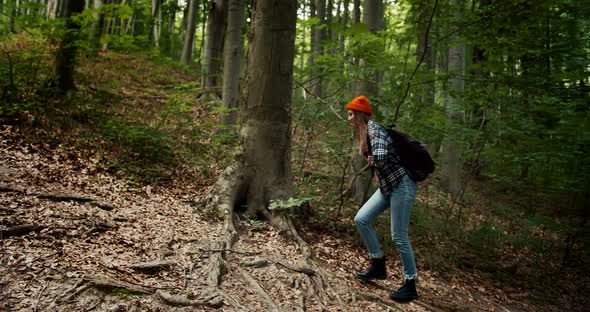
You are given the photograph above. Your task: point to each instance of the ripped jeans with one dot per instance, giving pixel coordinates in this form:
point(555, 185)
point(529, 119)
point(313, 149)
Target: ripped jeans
point(400, 200)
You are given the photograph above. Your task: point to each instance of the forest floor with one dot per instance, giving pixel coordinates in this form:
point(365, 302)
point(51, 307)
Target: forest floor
point(78, 237)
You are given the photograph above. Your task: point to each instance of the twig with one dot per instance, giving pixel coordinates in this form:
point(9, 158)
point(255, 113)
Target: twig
point(323, 101)
point(354, 179)
point(408, 84)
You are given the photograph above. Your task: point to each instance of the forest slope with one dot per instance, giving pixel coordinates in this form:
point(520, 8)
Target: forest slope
point(81, 214)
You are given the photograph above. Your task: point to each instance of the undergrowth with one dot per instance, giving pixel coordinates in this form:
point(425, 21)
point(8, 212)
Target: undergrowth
point(139, 117)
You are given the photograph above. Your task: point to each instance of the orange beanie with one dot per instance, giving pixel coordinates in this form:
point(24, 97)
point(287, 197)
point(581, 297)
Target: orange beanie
point(361, 104)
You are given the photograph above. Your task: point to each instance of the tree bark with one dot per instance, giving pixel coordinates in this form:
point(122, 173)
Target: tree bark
point(189, 35)
point(263, 172)
point(317, 36)
point(344, 26)
point(373, 14)
point(356, 11)
point(233, 62)
point(451, 167)
point(12, 17)
point(66, 53)
point(155, 22)
point(96, 30)
point(213, 45)
point(426, 92)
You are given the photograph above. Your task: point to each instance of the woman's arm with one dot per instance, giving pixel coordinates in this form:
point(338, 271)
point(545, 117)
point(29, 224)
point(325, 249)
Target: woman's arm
point(378, 139)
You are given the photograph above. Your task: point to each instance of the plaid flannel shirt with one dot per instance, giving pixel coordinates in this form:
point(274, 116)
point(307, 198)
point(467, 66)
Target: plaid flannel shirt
point(385, 158)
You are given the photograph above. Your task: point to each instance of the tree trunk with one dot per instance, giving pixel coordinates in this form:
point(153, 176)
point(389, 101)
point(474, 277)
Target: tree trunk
point(317, 37)
point(96, 30)
point(344, 26)
point(66, 53)
point(479, 74)
point(356, 11)
point(172, 17)
point(189, 35)
point(451, 167)
point(373, 14)
point(12, 17)
point(205, 4)
point(425, 92)
point(213, 45)
point(264, 170)
point(232, 62)
point(422, 49)
point(155, 22)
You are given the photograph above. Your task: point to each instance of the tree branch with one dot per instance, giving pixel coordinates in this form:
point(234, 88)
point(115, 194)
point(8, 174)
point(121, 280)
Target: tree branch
point(408, 84)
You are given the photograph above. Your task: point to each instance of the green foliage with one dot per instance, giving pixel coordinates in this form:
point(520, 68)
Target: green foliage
point(25, 67)
point(290, 203)
point(123, 293)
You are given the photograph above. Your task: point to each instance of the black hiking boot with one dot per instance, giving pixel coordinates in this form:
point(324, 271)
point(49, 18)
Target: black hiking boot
point(375, 271)
point(406, 293)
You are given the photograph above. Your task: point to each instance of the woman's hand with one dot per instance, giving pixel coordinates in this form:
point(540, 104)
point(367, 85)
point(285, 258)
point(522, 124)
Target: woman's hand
point(370, 159)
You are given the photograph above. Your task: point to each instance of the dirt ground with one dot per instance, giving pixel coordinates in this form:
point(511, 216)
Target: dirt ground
point(77, 238)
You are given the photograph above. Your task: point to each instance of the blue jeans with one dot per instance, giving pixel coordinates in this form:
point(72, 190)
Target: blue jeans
point(400, 200)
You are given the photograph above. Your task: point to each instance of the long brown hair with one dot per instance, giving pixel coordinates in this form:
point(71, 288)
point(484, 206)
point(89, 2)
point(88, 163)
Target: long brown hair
point(359, 125)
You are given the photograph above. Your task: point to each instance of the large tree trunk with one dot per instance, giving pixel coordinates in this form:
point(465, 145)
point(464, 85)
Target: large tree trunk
point(373, 14)
point(66, 53)
point(263, 172)
point(232, 61)
point(451, 168)
point(213, 44)
point(189, 35)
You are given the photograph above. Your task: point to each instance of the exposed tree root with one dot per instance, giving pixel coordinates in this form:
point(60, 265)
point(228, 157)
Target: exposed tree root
point(61, 197)
point(204, 299)
point(230, 300)
point(152, 266)
point(256, 263)
point(73, 291)
point(100, 227)
point(252, 282)
point(304, 270)
point(102, 282)
point(300, 294)
point(19, 230)
point(389, 305)
point(230, 250)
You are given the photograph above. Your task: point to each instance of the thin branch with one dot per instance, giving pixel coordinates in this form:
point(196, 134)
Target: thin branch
point(395, 116)
point(322, 100)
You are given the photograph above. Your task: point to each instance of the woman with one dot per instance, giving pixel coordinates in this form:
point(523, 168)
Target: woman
point(396, 191)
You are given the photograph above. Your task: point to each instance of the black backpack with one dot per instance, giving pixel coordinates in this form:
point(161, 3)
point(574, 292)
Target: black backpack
point(413, 156)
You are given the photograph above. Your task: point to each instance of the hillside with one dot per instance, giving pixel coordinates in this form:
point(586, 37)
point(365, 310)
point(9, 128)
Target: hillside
point(101, 209)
